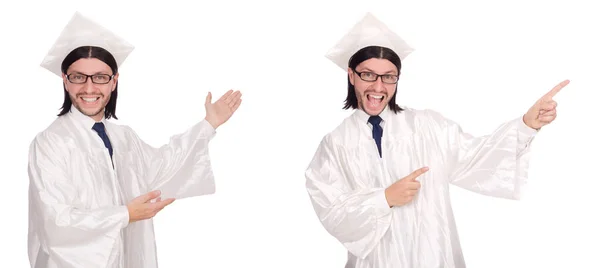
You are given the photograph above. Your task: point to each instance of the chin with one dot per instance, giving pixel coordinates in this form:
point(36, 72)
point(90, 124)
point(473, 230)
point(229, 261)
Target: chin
point(90, 111)
point(373, 110)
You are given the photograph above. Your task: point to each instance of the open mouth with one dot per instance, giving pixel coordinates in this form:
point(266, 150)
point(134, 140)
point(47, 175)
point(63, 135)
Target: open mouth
point(374, 100)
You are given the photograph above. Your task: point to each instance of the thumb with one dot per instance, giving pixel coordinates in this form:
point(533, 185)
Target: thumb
point(208, 99)
point(149, 196)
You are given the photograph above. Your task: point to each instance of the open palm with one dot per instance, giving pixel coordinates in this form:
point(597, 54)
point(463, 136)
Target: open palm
point(219, 112)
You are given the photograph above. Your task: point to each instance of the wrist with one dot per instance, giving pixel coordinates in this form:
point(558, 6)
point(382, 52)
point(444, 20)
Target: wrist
point(212, 122)
point(130, 220)
point(130, 214)
point(528, 123)
point(387, 197)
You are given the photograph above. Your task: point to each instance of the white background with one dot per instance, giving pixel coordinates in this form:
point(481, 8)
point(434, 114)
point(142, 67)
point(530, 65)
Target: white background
point(477, 63)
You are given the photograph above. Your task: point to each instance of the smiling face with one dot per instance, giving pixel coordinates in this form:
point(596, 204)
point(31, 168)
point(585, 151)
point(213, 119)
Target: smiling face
point(374, 96)
point(90, 97)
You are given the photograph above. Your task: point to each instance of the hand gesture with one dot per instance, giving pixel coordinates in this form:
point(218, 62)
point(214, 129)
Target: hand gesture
point(404, 190)
point(142, 207)
point(219, 112)
point(543, 112)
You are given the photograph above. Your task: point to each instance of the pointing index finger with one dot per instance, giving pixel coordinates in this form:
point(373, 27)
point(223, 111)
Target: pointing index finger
point(556, 89)
point(417, 173)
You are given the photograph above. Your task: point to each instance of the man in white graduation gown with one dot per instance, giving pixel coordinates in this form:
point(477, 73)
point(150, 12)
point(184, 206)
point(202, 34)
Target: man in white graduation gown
point(95, 185)
point(379, 182)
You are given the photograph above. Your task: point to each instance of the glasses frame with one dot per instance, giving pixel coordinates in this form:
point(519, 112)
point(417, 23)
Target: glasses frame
point(377, 77)
point(110, 78)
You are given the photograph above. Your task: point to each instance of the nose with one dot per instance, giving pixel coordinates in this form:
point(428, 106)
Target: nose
point(88, 87)
point(378, 84)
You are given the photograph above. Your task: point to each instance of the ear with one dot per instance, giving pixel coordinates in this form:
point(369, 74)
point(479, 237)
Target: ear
point(351, 75)
point(65, 81)
point(115, 80)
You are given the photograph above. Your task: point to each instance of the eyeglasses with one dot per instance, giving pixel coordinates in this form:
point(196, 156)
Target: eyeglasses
point(78, 78)
point(372, 77)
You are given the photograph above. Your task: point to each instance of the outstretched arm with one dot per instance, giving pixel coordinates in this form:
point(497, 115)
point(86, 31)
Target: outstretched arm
point(497, 164)
point(182, 168)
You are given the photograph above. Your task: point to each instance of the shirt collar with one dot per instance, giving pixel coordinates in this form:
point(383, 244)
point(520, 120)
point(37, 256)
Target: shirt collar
point(82, 119)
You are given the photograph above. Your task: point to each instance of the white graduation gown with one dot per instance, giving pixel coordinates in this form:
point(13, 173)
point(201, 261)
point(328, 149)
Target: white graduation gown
point(77, 209)
point(346, 180)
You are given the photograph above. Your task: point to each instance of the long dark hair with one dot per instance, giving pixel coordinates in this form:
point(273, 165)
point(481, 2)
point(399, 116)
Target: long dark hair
point(87, 52)
point(363, 55)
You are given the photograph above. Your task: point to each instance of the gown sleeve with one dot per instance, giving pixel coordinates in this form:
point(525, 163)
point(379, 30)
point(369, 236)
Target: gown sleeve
point(72, 236)
point(492, 165)
point(182, 168)
point(358, 218)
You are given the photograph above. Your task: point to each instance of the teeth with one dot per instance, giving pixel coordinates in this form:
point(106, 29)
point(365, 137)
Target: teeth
point(376, 97)
point(90, 99)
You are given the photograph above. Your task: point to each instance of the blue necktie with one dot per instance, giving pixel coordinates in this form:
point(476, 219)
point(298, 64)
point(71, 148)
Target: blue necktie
point(377, 131)
point(99, 127)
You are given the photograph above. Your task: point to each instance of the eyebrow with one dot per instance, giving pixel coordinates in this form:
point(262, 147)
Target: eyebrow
point(100, 72)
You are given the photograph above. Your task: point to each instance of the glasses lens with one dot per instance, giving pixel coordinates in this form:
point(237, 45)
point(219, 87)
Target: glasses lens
point(368, 76)
point(100, 78)
point(390, 79)
point(77, 78)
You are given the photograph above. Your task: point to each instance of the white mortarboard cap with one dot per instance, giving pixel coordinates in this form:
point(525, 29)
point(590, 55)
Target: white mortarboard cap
point(367, 32)
point(81, 31)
